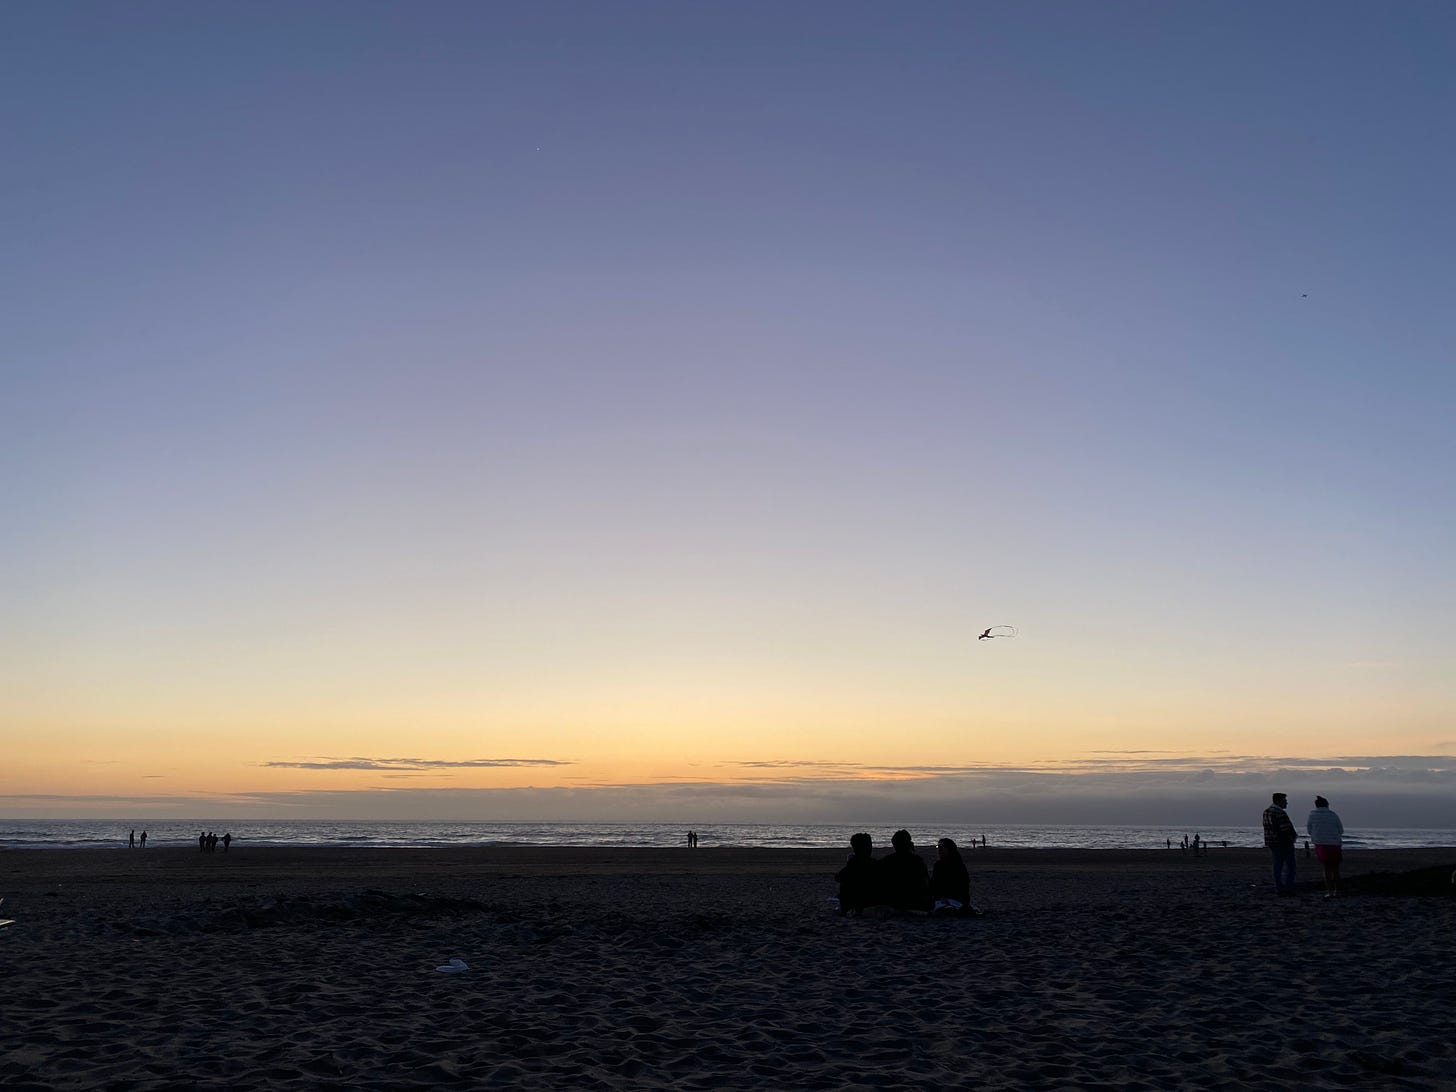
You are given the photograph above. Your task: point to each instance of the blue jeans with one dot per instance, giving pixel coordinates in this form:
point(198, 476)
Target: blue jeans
point(1283, 868)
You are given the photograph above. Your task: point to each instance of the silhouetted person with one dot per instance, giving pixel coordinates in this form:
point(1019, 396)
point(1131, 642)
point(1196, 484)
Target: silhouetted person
point(131, 841)
point(904, 881)
point(1328, 835)
point(227, 840)
point(859, 878)
point(144, 840)
point(1280, 837)
point(950, 883)
point(202, 841)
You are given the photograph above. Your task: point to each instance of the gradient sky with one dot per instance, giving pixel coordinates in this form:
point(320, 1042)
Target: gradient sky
point(485, 410)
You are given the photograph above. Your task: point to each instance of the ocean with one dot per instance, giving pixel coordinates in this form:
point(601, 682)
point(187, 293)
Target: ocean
point(91, 834)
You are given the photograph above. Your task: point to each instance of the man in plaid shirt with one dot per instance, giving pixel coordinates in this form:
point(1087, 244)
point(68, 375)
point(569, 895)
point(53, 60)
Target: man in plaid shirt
point(1279, 836)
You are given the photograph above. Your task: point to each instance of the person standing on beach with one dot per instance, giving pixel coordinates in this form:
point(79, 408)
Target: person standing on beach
point(1280, 837)
point(1328, 835)
point(131, 842)
point(227, 840)
point(144, 839)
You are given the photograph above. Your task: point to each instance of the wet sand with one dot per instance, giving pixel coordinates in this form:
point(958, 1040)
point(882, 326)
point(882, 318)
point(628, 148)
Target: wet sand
point(710, 968)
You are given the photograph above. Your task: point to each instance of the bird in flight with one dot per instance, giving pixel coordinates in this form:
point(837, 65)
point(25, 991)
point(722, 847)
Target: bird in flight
point(991, 633)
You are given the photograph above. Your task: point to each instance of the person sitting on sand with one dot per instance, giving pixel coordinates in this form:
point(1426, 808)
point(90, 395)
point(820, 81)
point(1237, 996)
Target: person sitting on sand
point(904, 881)
point(950, 882)
point(1328, 835)
point(859, 879)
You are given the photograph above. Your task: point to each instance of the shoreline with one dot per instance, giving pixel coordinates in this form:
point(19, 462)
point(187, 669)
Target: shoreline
point(575, 856)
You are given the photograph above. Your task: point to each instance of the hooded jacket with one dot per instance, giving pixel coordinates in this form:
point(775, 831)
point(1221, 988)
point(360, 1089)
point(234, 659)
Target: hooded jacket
point(1325, 828)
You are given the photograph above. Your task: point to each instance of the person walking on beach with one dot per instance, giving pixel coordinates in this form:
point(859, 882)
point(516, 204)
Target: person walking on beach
point(1328, 835)
point(1280, 837)
point(227, 840)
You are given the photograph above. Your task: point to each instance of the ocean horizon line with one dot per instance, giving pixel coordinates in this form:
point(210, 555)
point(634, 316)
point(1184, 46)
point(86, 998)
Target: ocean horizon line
point(391, 833)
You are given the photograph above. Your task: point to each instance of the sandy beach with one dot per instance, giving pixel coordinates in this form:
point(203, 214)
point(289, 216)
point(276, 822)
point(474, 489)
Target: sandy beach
point(714, 968)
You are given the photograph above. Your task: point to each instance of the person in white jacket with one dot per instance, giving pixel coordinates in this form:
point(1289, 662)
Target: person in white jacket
point(1328, 835)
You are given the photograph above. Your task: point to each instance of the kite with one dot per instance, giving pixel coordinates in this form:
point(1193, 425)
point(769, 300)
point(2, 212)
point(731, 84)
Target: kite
point(992, 632)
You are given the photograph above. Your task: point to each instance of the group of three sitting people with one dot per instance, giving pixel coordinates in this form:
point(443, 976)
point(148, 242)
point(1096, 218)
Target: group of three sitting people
point(899, 883)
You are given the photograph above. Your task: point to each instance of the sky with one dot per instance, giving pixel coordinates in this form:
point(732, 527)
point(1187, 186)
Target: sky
point(582, 411)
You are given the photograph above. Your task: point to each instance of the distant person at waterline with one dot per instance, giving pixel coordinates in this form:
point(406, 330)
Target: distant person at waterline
point(1280, 837)
point(1328, 835)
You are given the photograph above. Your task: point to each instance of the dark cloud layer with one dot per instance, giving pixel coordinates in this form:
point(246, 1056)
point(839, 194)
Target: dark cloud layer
point(411, 763)
point(1370, 791)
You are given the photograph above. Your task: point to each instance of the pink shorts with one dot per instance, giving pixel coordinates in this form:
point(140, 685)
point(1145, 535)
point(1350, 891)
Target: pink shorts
point(1329, 855)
